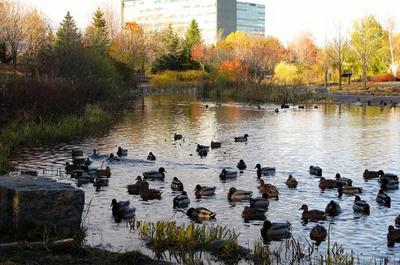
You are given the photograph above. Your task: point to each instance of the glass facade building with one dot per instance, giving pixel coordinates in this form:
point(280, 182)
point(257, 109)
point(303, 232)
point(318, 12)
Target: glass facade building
point(250, 18)
point(216, 18)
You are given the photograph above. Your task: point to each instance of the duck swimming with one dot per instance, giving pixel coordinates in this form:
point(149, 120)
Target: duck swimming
point(239, 195)
point(260, 202)
point(225, 174)
point(113, 158)
point(155, 175)
point(176, 185)
point(343, 181)
point(265, 171)
point(393, 236)
point(397, 220)
point(383, 199)
point(389, 184)
point(327, 183)
point(241, 165)
point(151, 157)
point(241, 139)
point(275, 231)
point(150, 194)
point(177, 136)
point(181, 201)
point(215, 145)
point(312, 215)
point(360, 206)
point(291, 182)
point(270, 191)
point(318, 234)
point(316, 171)
point(121, 210)
point(134, 189)
point(122, 152)
point(372, 174)
point(200, 213)
point(333, 209)
point(204, 191)
point(253, 213)
point(349, 190)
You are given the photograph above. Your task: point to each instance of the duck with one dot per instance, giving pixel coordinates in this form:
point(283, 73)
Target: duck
point(151, 157)
point(316, 171)
point(284, 106)
point(327, 183)
point(104, 172)
point(349, 190)
point(343, 181)
point(260, 202)
point(177, 136)
point(241, 139)
point(241, 165)
point(291, 182)
point(176, 185)
point(318, 234)
point(122, 152)
point(100, 181)
point(253, 213)
point(225, 174)
point(372, 174)
point(388, 176)
point(270, 191)
point(239, 195)
point(333, 208)
point(275, 231)
point(202, 152)
point(204, 191)
point(150, 194)
point(155, 175)
point(134, 189)
point(389, 184)
point(96, 155)
point(360, 206)
point(200, 213)
point(302, 107)
point(113, 158)
point(82, 176)
point(276, 110)
point(122, 211)
point(181, 201)
point(397, 220)
point(383, 199)
point(202, 147)
point(261, 186)
point(215, 145)
point(312, 215)
point(393, 236)
point(265, 171)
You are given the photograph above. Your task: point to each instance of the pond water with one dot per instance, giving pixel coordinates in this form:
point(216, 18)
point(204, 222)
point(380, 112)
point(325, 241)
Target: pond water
point(345, 139)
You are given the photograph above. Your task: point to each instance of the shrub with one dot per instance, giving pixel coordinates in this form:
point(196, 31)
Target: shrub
point(233, 70)
point(287, 74)
point(384, 78)
point(172, 79)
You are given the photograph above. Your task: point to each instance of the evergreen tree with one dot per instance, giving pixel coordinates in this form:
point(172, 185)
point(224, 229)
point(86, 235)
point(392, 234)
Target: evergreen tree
point(192, 37)
point(170, 56)
point(68, 35)
point(97, 32)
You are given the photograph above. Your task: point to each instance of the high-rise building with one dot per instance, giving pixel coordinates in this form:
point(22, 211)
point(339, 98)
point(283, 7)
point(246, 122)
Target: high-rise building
point(216, 18)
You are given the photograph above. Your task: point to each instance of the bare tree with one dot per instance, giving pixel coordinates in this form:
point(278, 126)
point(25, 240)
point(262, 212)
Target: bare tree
point(394, 64)
point(112, 19)
point(337, 51)
point(12, 28)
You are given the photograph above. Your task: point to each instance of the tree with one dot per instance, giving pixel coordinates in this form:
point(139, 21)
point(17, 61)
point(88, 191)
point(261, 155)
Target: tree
point(11, 27)
point(274, 52)
point(303, 51)
point(170, 53)
point(112, 20)
point(393, 43)
point(68, 35)
point(192, 37)
point(97, 35)
point(367, 40)
point(337, 51)
point(287, 74)
point(201, 54)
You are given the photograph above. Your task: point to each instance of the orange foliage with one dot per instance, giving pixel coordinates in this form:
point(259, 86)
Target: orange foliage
point(201, 54)
point(133, 26)
point(233, 70)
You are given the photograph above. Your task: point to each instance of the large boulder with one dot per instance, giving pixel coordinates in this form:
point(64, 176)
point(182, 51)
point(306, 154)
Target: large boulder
point(28, 203)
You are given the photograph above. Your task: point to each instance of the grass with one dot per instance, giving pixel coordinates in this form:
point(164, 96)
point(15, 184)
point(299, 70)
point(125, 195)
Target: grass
point(174, 79)
point(32, 133)
point(376, 89)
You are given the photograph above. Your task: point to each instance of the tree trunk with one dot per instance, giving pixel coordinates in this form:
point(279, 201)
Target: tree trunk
point(326, 78)
point(340, 77)
point(364, 76)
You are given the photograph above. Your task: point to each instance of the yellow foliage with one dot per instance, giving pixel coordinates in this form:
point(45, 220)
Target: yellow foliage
point(287, 74)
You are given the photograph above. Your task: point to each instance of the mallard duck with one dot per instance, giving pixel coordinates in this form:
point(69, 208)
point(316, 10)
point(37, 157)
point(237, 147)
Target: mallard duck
point(291, 182)
point(360, 206)
point(276, 110)
point(393, 236)
point(318, 234)
point(383, 199)
point(241, 165)
point(134, 189)
point(316, 171)
point(343, 181)
point(333, 209)
point(155, 175)
point(397, 220)
point(239, 195)
point(121, 210)
point(240, 139)
point(372, 174)
point(202, 152)
point(302, 107)
point(225, 174)
point(69, 168)
point(261, 186)
point(113, 158)
point(200, 213)
point(122, 152)
point(349, 190)
point(104, 172)
point(284, 106)
point(100, 181)
point(202, 147)
point(177, 137)
point(96, 155)
point(253, 213)
point(82, 176)
point(389, 184)
point(150, 194)
point(204, 191)
point(260, 202)
point(312, 215)
point(181, 201)
point(270, 191)
point(215, 145)
point(327, 183)
point(176, 185)
point(151, 157)
point(275, 231)
point(265, 171)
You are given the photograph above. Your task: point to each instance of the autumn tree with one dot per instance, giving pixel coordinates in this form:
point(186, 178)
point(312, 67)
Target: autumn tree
point(96, 35)
point(393, 41)
point(287, 74)
point(112, 20)
point(192, 37)
point(303, 51)
point(202, 54)
point(367, 40)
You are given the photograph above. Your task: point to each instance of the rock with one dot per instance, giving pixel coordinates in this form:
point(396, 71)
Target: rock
point(28, 202)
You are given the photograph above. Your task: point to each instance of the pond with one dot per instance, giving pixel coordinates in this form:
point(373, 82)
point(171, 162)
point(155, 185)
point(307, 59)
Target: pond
point(347, 139)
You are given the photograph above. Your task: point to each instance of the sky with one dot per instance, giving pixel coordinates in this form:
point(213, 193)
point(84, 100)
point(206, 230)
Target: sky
point(285, 19)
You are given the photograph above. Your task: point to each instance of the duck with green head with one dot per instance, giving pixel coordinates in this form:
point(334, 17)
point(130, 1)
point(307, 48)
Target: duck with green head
point(239, 195)
point(155, 175)
point(200, 213)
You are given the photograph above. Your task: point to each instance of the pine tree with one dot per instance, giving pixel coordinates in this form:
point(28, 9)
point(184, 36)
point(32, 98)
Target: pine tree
point(97, 32)
point(192, 37)
point(68, 35)
point(170, 56)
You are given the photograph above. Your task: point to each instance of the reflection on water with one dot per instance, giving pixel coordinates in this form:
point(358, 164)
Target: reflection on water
point(346, 139)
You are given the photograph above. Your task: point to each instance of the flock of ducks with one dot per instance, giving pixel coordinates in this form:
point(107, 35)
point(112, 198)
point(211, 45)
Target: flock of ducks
point(258, 205)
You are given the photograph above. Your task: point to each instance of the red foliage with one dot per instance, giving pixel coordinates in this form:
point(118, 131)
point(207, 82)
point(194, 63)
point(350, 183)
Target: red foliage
point(234, 70)
point(384, 78)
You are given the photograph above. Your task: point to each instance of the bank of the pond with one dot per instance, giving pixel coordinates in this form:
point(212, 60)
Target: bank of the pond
point(93, 120)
